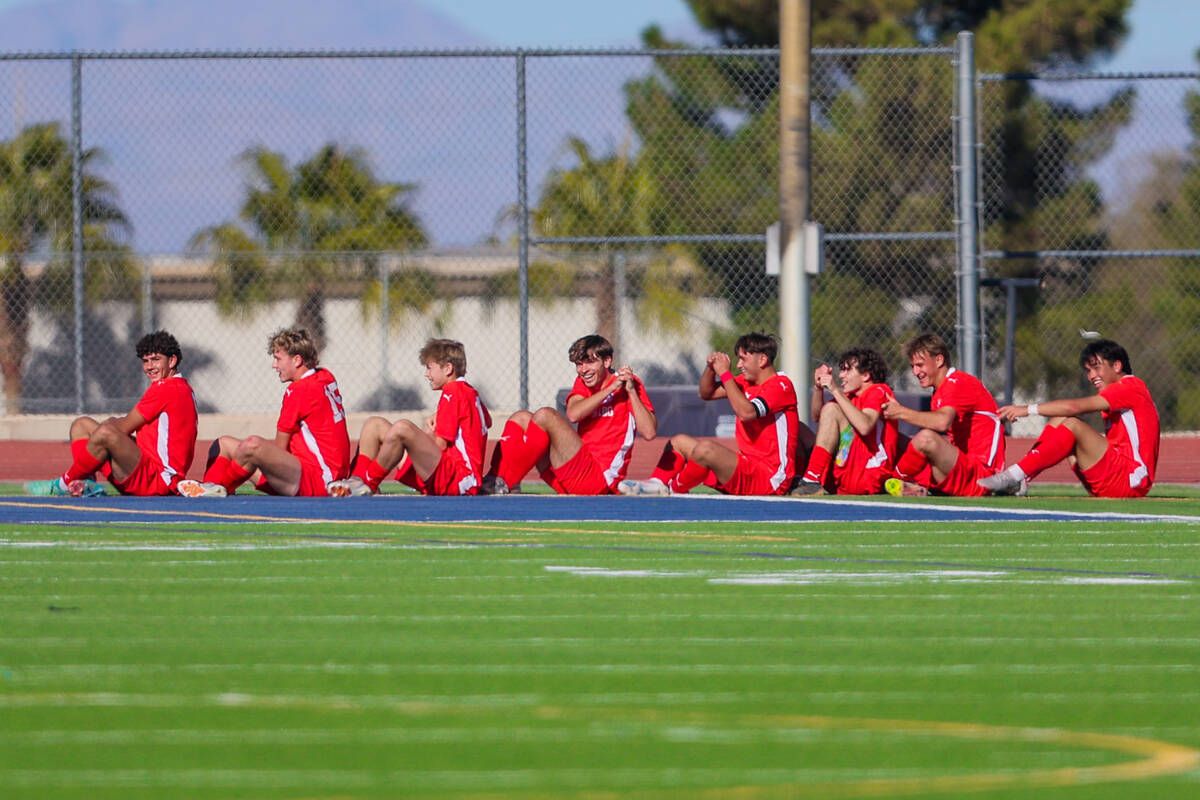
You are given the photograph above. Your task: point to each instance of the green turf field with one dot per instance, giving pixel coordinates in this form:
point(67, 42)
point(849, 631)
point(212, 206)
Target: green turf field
point(1032, 660)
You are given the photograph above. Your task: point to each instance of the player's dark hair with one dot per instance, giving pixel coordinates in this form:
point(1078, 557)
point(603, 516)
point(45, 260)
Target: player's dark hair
point(159, 342)
point(445, 351)
point(757, 342)
point(294, 342)
point(929, 343)
point(589, 347)
point(865, 360)
point(1108, 350)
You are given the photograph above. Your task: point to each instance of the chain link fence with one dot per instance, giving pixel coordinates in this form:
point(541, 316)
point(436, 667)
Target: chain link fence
point(1096, 236)
point(518, 200)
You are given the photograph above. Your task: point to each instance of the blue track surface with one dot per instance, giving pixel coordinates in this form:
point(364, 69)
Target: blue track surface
point(512, 508)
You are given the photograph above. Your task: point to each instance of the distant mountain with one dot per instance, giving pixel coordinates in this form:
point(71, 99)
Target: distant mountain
point(229, 25)
point(173, 129)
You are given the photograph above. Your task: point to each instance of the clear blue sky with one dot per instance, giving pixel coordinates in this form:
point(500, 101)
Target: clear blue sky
point(1165, 33)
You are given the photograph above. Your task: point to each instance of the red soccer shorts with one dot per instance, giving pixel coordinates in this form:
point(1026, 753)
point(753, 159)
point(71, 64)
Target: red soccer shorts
point(855, 477)
point(145, 480)
point(450, 478)
point(751, 478)
point(961, 482)
point(1110, 476)
point(579, 475)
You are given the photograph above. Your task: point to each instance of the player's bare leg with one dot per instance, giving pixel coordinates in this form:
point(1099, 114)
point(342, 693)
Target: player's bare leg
point(830, 424)
point(406, 438)
point(565, 442)
point(506, 453)
point(280, 468)
point(108, 443)
point(81, 430)
point(1086, 448)
point(937, 451)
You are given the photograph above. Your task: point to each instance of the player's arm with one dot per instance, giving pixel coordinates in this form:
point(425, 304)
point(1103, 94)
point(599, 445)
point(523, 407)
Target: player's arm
point(450, 427)
point(643, 418)
point(1072, 407)
point(128, 423)
point(282, 438)
point(939, 420)
point(580, 407)
point(861, 419)
point(711, 386)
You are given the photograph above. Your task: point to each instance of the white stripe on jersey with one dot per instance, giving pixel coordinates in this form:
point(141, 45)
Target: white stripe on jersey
point(311, 442)
point(1135, 440)
point(997, 432)
point(879, 457)
point(618, 460)
point(164, 437)
point(781, 442)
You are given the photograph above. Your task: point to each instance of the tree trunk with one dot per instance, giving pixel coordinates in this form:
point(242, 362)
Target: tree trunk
point(311, 314)
point(606, 301)
point(15, 298)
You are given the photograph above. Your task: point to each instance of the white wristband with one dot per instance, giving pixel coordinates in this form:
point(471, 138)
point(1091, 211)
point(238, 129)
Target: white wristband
point(1032, 410)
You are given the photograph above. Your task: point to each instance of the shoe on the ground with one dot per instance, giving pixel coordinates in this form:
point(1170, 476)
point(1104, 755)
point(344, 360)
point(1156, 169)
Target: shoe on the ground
point(494, 484)
point(650, 488)
point(190, 488)
point(807, 489)
point(47, 488)
point(901, 488)
point(53, 488)
point(85, 488)
point(1004, 482)
point(353, 486)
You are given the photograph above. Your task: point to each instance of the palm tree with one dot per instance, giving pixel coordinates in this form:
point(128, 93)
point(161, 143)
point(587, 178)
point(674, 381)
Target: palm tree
point(36, 218)
point(308, 217)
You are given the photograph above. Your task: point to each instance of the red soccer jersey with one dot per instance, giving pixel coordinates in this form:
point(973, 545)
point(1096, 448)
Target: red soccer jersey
point(976, 429)
point(1131, 423)
point(771, 437)
point(608, 432)
point(169, 435)
point(463, 420)
point(881, 444)
point(313, 414)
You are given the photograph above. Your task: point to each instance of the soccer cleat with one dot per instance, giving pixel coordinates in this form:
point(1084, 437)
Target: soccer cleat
point(900, 488)
point(50, 488)
point(494, 484)
point(807, 489)
point(190, 488)
point(650, 488)
point(353, 486)
point(85, 488)
point(1004, 482)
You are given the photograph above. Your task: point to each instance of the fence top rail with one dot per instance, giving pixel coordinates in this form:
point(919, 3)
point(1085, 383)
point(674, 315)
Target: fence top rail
point(995, 77)
point(98, 55)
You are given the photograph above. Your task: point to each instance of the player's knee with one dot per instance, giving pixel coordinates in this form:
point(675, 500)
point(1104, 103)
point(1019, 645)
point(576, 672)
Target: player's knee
point(400, 432)
point(82, 427)
point(831, 411)
point(925, 441)
point(703, 452)
point(522, 418)
point(546, 416)
point(248, 448)
point(105, 435)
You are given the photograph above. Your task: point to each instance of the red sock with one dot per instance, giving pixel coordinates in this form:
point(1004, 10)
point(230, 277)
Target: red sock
point(235, 475)
point(519, 460)
point(818, 464)
point(669, 464)
point(910, 464)
point(371, 473)
point(688, 478)
point(83, 463)
point(359, 468)
point(1056, 443)
point(512, 438)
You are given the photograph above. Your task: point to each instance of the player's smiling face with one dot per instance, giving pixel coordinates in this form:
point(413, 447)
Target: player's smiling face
point(593, 371)
point(156, 366)
point(752, 365)
point(926, 368)
point(287, 367)
point(438, 375)
point(1101, 372)
point(851, 379)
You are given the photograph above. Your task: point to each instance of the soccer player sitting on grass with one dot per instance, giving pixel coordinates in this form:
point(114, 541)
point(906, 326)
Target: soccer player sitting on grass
point(609, 407)
point(446, 458)
point(962, 438)
point(767, 430)
point(852, 425)
point(144, 452)
point(311, 446)
point(1121, 463)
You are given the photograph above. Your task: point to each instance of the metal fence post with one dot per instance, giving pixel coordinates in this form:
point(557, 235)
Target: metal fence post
point(967, 224)
point(77, 219)
point(522, 233)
